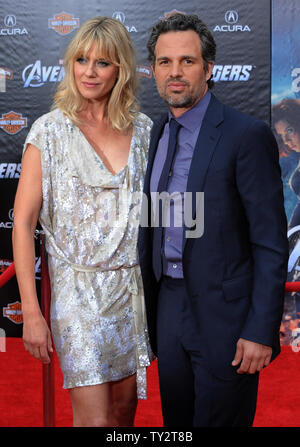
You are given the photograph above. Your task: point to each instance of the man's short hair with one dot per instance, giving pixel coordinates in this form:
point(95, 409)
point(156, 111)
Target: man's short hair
point(184, 22)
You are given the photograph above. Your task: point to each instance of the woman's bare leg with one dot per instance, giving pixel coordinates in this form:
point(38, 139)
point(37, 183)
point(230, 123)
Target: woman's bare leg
point(90, 405)
point(111, 404)
point(123, 402)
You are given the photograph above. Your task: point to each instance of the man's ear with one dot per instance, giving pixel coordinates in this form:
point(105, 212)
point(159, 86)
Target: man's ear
point(153, 67)
point(208, 73)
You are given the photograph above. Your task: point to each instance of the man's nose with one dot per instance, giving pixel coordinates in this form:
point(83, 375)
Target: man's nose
point(176, 70)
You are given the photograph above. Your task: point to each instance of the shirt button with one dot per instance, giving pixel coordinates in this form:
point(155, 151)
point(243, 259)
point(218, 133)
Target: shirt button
point(174, 266)
point(168, 239)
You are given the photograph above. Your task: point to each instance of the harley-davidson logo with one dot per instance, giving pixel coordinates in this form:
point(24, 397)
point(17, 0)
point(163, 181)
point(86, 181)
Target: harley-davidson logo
point(14, 312)
point(63, 23)
point(144, 70)
point(12, 122)
point(4, 264)
point(6, 73)
point(170, 13)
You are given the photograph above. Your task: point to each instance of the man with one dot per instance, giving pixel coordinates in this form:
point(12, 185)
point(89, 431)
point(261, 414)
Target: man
point(214, 302)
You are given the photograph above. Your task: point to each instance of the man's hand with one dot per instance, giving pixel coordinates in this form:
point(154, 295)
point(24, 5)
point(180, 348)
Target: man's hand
point(251, 356)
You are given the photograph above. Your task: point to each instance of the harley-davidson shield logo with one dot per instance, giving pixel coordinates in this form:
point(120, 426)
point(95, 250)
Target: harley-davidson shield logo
point(13, 312)
point(170, 13)
point(63, 23)
point(12, 122)
point(4, 264)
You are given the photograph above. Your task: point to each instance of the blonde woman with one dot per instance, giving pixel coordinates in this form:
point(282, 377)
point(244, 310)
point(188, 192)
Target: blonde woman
point(79, 160)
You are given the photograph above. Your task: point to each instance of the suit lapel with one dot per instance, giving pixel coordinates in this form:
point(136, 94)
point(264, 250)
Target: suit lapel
point(156, 132)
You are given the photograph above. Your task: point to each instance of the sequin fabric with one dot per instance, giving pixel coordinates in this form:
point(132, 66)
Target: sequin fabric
point(90, 219)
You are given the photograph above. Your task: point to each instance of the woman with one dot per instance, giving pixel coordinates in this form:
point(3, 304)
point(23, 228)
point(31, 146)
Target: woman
point(78, 162)
point(286, 116)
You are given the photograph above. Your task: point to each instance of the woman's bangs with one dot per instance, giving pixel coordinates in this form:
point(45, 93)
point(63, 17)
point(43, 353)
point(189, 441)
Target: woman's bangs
point(104, 48)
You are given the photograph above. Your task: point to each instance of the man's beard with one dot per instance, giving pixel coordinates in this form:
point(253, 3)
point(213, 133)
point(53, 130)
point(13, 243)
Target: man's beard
point(177, 100)
point(180, 102)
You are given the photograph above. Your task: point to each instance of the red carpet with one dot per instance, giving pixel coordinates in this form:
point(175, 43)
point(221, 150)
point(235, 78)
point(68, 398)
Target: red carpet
point(21, 402)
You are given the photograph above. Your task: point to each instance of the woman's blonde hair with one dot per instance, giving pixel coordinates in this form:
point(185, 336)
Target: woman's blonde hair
point(113, 42)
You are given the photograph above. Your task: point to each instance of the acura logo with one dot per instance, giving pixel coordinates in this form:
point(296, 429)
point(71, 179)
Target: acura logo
point(10, 20)
point(231, 16)
point(119, 16)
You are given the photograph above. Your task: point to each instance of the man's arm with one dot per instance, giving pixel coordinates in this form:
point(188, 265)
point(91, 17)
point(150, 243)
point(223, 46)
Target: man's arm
point(258, 178)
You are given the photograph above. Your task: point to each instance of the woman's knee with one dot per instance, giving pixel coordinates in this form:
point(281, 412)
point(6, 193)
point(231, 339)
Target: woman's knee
point(90, 406)
point(124, 401)
point(124, 405)
point(91, 421)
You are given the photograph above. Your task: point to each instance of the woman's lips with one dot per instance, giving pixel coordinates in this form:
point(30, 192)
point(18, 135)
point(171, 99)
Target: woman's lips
point(89, 84)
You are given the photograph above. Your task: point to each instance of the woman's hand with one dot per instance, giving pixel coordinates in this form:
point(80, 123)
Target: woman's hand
point(37, 338)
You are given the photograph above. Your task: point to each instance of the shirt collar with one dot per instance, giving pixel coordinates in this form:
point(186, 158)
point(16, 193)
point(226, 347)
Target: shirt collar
point(192, 119)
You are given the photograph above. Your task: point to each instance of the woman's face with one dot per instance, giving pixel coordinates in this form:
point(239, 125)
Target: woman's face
point(95, 76)
point(289, 135)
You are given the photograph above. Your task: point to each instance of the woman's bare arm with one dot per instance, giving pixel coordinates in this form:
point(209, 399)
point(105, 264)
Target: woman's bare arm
point(36, 334)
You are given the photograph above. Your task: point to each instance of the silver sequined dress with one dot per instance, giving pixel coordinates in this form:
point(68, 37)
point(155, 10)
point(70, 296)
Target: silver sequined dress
point(90, 219)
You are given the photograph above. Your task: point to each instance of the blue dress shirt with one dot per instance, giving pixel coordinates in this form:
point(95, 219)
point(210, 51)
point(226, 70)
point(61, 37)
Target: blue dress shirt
point(191, 122)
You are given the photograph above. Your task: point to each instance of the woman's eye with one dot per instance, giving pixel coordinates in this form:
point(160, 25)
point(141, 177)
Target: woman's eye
point(290, 130)
point(103, 63)
point(81, 60)
point(98, 63)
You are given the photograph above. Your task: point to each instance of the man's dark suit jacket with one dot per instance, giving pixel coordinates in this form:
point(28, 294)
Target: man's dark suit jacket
point(236, 271)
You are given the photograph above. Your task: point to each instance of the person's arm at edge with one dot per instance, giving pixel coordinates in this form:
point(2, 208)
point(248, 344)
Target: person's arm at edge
point(28, 200)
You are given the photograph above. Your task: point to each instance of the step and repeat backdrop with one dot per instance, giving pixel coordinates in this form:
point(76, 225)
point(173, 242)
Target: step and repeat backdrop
point(285, 118)
point(33, 38)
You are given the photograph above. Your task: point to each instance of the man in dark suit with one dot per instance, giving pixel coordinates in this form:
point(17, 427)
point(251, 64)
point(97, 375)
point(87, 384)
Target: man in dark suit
point(214, 296)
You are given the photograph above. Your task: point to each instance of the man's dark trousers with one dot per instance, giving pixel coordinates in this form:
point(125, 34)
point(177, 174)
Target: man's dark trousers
point(191, 395)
